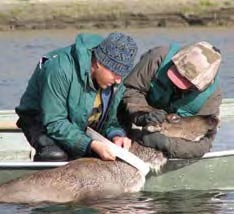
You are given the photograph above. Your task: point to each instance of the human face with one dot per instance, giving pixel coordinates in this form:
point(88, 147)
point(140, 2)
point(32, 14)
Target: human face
point(105, 77)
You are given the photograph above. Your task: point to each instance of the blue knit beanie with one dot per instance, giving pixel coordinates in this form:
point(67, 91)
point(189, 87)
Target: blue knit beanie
point(117, 53)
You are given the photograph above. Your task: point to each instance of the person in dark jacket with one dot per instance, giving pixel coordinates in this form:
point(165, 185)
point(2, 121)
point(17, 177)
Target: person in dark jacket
point(75, 87)
point(173, 80)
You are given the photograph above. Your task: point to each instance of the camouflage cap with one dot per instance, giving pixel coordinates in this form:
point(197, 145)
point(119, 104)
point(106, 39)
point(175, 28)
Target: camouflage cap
point(198, 63)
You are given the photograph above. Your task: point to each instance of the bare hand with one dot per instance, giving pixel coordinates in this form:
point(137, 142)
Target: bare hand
point(124, 142)
point(102, 150)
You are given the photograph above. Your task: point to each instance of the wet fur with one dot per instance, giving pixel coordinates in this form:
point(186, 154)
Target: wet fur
point(81, 179)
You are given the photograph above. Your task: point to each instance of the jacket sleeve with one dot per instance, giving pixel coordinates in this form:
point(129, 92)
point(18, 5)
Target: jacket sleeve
point(180, 148)
point(138, 81)
point(55, 83)
point(177, 147)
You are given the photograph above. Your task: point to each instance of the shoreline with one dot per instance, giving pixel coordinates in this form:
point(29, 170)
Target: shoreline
point(104, 14)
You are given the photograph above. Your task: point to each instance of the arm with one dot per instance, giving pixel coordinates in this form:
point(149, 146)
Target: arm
point(177, 147)
point(112, 129)
point(55, 79)
point(138, 84)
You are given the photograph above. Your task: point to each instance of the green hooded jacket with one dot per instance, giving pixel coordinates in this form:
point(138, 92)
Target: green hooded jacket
point(61, 91)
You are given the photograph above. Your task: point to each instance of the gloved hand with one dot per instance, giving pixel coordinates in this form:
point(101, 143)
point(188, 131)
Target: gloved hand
point(156, 140)
point(156, 116)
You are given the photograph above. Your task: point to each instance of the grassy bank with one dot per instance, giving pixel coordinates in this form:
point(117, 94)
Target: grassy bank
point(80, 14)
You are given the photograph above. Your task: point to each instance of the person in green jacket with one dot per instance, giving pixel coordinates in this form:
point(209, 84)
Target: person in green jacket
point(75, 87)
point(173, 80)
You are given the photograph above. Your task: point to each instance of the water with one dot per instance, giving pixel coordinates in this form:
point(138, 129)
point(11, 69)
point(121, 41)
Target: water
point(139, 203)
point(20, 51)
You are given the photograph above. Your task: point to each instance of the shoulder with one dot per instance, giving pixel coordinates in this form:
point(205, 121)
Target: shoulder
point(212, 104)
point(153, 58)
point(58, 63)
point(156, 52)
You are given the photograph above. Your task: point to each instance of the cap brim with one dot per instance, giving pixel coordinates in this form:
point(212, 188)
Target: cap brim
point(177, 79)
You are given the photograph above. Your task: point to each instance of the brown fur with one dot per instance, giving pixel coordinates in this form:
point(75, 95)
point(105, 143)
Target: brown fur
point(81, 179)
point(190, 128)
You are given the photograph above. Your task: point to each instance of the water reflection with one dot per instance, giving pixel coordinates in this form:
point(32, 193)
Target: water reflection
point(140, 203)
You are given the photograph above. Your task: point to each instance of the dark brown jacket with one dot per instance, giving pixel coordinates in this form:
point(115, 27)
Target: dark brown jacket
point(137, 86)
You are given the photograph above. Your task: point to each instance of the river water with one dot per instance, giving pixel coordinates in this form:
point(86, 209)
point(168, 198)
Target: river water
point(20, 51)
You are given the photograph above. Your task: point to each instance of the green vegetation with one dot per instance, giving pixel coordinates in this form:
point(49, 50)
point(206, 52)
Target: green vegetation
point(207, 3)
point(104, 13)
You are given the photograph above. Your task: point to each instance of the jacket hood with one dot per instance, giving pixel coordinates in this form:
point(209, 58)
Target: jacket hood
point(84, 44)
